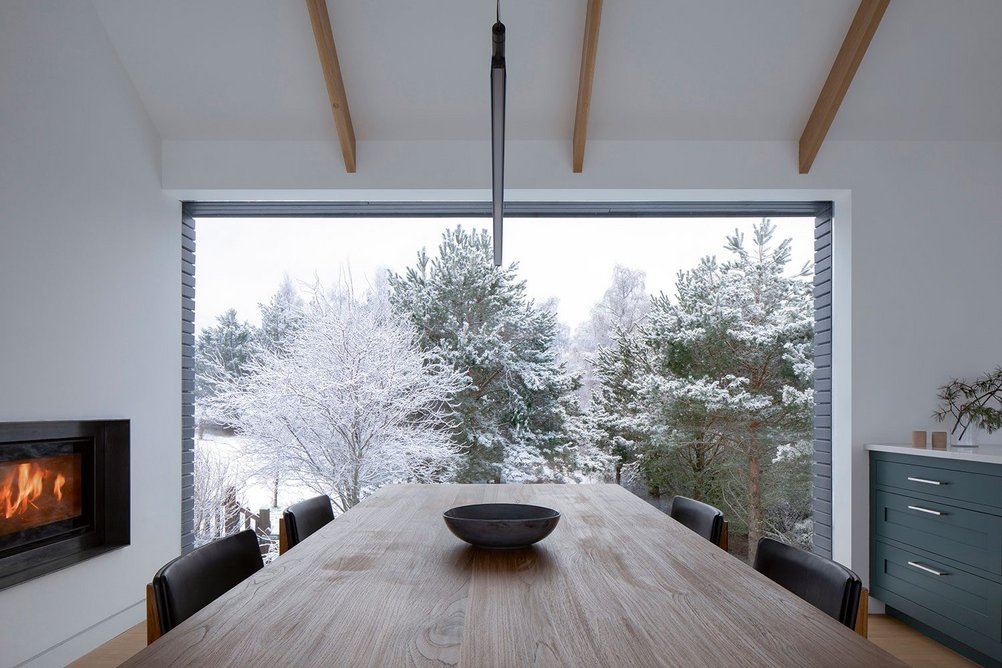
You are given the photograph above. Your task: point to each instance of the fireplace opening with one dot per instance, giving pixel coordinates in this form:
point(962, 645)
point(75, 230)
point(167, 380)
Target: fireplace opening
point(35, 492)
point(43, 497)
point(64, 494)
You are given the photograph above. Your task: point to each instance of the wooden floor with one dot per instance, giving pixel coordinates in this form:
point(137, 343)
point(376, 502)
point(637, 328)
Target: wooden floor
point(903, 642)
point(911, 646)
point(116, 651)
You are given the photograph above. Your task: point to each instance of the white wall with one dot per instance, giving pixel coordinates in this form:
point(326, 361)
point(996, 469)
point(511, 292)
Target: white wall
point(917, 237)
point(89, 273)
point(89, 303)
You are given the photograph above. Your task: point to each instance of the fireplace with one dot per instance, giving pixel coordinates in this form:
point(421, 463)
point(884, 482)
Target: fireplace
point(64, 494)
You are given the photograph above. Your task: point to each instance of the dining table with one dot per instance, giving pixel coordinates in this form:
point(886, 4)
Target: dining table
point(617, 583)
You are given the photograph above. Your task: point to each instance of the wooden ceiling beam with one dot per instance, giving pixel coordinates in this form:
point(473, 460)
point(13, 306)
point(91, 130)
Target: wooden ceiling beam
point(588, 52)
point(324, 35)
point(861, 31)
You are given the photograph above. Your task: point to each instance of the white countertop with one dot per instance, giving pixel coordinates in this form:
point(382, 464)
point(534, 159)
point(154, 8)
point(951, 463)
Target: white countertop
point(990, 454)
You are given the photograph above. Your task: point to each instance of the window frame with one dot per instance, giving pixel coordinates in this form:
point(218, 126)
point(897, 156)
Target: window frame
point(823, 246)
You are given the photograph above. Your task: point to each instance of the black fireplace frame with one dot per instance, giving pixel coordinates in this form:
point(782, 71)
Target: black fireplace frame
point(110, 501)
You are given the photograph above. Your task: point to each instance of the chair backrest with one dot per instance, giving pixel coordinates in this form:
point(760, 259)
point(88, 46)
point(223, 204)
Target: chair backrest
point(192, 581)
point(305, 518)
point(701, 517)
point(827, 585)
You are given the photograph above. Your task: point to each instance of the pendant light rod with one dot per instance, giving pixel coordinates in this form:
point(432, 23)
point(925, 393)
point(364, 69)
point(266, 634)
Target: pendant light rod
point(498, 80)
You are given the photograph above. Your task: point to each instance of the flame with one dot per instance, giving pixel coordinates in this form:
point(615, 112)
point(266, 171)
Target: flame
point(38, 491)
point(29, 487)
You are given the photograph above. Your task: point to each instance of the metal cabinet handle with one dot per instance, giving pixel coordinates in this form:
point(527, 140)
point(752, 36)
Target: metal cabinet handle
point(925, 568)
point(924, 510)
point(924, 481)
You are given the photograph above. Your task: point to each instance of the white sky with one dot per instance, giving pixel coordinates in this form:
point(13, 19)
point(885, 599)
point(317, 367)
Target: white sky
point(240, 262)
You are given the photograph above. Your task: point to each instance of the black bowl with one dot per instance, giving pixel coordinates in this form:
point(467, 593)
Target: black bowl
point(501, 525)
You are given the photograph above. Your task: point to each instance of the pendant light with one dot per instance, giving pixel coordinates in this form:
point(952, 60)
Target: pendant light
point(498, 77)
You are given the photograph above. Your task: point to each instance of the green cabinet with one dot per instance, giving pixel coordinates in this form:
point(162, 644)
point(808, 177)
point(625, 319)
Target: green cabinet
point(936, 547)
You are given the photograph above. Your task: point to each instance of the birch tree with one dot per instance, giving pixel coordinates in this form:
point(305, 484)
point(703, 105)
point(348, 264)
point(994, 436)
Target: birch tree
point(623, 307)
point(219, 481)
point(280, 318)
point(351, 402)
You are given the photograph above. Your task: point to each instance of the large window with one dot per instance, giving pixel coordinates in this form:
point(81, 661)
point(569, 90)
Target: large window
point(670, 349)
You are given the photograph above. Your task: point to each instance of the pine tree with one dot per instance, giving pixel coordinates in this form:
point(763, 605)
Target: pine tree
point(477, 318)
point(617, 407)
point(280, 316)
point(719, 380)
point(222, 352)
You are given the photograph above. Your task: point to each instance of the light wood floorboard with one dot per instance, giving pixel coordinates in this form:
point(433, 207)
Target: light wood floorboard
point(900, 640)
point(912, 647)
point(116, 651)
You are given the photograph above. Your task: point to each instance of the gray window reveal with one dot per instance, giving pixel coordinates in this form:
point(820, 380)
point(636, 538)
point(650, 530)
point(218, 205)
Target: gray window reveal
point(822, 211)
point(822, 483)
point(187, 381)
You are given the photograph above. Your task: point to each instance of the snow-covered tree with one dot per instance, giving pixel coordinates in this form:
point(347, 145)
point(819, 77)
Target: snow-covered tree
point(351, 402)
point(623, 306)
point(219, 482)
point(222, 351)
point(617, 409)
point(280, 316)
point(476, 318)
point(719, 378)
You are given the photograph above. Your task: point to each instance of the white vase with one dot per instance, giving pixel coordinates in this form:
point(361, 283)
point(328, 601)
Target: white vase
point(965, 441)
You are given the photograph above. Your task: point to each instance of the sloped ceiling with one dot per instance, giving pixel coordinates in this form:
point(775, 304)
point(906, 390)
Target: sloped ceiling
point(666, 69)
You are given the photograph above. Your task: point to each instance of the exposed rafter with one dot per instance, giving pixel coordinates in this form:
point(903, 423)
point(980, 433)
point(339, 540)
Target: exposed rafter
point(324, 35)
point(864, 25)
point(588, 52)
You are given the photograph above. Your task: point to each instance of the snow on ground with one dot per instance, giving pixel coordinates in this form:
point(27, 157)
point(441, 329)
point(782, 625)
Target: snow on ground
point(255, 494)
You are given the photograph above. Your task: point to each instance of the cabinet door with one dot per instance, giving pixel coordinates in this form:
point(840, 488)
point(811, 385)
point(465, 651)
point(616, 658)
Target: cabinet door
point(956, 533)
point(971, 601)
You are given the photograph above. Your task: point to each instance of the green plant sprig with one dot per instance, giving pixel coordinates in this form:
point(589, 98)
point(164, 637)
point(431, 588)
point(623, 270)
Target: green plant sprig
point(978, 403)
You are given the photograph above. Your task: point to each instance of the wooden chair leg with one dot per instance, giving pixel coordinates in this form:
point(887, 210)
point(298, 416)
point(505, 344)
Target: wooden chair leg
point(863, 614)
point(723, 537)
point(283, 537)
point(152, 620)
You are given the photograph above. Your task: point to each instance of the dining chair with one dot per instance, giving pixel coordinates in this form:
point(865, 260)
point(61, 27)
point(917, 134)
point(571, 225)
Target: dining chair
point(702, 518)
point(825, 584)
point(301, 520)
point(192, 581)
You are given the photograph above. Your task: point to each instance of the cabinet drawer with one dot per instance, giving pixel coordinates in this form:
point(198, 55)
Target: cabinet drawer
point(939, 481)
point(969, 600)
point(956, 533)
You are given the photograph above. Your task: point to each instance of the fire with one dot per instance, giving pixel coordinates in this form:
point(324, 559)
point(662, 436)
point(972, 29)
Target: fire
point(20, 490)
point(39, 491)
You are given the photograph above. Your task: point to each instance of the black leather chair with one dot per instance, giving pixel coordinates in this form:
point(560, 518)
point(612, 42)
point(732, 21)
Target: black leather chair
point(827, 585)
point(303, 519)
point(701, 517)
point(192, 581)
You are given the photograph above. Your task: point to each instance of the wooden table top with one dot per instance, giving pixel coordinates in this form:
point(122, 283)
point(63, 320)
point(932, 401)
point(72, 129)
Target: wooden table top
point(618, 583)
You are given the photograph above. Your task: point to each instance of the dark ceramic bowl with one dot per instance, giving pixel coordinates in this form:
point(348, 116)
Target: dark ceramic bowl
point(501, 525)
